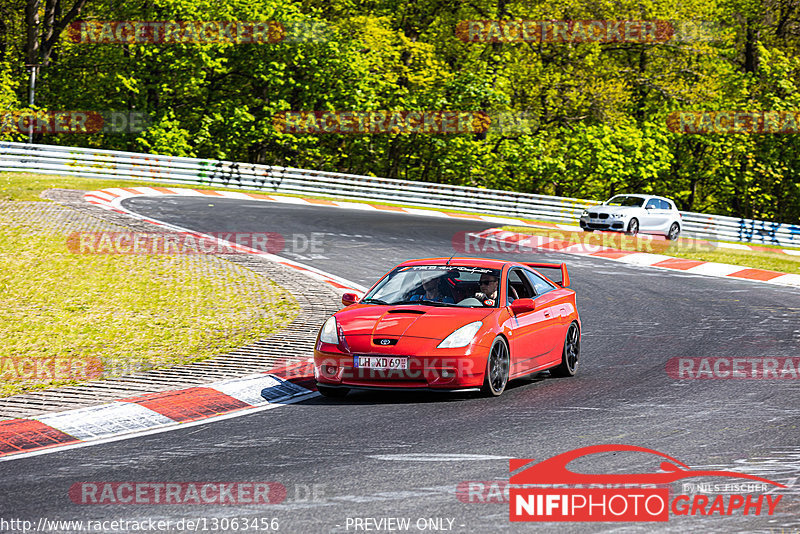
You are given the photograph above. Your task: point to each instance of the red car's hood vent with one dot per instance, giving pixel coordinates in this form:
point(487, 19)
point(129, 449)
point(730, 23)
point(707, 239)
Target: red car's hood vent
point(394, 324)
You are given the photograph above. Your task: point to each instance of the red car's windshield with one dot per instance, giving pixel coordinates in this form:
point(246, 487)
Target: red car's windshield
point(438, 285)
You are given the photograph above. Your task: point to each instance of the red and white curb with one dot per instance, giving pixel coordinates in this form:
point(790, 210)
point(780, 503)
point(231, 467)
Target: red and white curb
point(156, 412)
point(111, 199)
point(511, 241)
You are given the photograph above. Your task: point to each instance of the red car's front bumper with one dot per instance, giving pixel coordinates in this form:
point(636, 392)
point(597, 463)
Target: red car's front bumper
point(446, 369)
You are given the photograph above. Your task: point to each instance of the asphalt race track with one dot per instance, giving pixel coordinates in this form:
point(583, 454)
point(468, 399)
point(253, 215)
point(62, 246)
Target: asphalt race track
point(380, 455)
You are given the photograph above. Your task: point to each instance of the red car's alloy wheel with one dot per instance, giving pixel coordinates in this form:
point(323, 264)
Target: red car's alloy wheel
point(572, 350)
point(497, 368)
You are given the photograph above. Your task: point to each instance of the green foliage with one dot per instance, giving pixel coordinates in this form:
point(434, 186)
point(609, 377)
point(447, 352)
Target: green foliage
point(594, 113)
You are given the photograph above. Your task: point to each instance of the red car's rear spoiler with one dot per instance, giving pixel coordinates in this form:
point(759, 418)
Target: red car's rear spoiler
point(562, 266)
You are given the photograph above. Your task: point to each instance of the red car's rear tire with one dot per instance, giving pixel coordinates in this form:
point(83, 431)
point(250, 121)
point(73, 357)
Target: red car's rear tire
point(569, 356)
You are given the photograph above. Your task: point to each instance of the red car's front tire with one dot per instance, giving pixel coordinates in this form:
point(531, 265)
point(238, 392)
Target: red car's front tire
point(498, 365)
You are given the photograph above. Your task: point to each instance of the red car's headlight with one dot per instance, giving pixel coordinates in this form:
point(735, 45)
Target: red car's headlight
point(330, 332)
point(461, 337)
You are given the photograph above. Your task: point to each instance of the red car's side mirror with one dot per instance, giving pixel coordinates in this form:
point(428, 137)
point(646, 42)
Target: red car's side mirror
point(523, 306)
point(349, 298)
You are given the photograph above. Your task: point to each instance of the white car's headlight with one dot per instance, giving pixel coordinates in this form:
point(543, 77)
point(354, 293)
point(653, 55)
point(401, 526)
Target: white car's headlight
point(620, 215)
point(330, 332)
point(461, 337)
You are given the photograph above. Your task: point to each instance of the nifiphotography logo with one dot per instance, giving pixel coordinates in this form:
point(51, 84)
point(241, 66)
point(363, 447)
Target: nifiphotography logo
point(624, 497)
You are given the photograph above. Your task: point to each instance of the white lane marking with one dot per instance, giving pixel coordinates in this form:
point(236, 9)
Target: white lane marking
point(643, 258)
point(715, 269)
point(536, 241)
point(736, 246)
point(429, 213)
point(146, 190)
point(117, 191)
point(290, 200)
point(246, 389)
point(582, 249)
point(786, 279)
point(105, 420)
point(237, 195)
point(353, 205)
point(791, 252)
point(502, 220)
point(101, 194)
point(176, 426)
point(435, 457)
point(185, 192)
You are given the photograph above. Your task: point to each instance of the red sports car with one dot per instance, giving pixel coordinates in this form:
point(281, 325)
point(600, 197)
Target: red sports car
point(450, 324)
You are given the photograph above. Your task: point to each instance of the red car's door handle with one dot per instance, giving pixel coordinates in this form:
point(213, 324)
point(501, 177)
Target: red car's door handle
point(547, 313)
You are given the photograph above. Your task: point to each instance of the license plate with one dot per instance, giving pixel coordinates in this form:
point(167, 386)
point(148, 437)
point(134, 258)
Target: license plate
point(381, 362)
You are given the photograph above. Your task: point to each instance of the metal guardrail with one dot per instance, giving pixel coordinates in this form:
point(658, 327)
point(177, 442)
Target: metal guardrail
point(108, 164)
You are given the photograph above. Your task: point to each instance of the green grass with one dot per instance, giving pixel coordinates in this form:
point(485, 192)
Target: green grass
point(78, 316)
point(683, 248)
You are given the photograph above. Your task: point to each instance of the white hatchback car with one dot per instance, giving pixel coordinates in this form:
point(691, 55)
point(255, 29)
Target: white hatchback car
point(633, 214)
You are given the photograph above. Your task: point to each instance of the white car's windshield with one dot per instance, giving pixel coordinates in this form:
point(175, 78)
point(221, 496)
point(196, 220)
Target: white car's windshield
point(437, 285)
point(624, 200)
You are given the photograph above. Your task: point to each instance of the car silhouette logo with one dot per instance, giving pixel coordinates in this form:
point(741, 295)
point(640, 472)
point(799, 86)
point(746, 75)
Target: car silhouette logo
point(554, 470)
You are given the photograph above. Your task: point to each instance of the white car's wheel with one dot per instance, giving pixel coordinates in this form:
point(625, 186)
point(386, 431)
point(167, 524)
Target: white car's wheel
point(633, 227)
point(674, 232)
